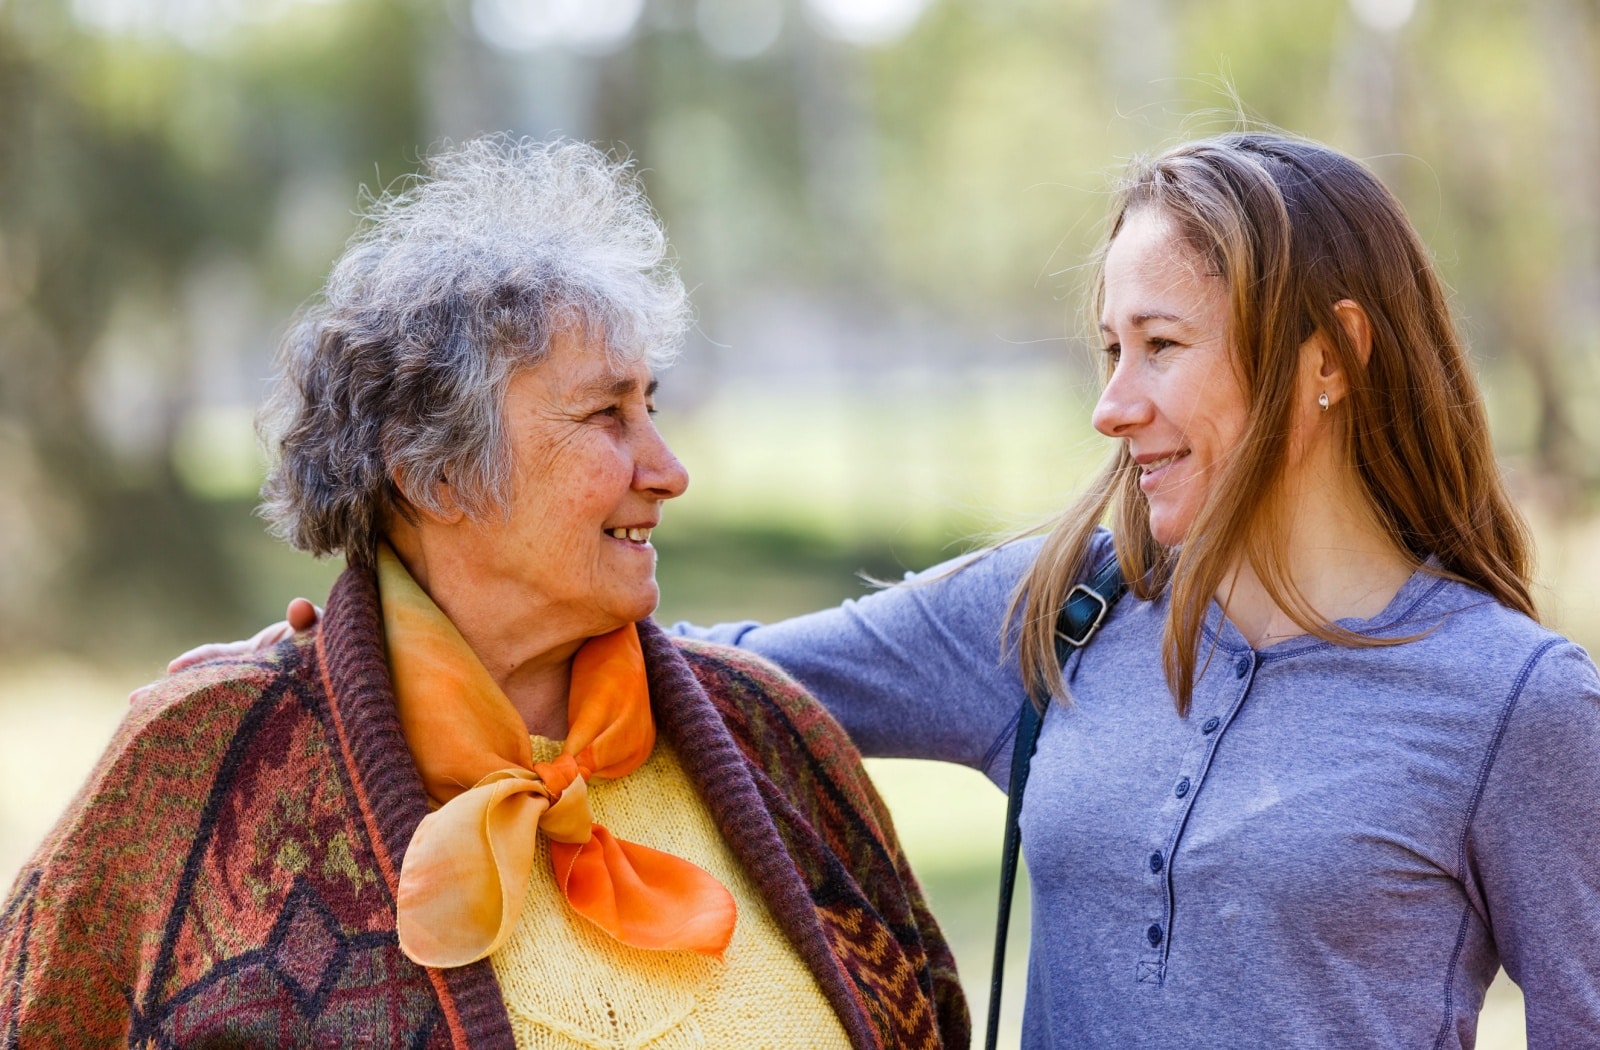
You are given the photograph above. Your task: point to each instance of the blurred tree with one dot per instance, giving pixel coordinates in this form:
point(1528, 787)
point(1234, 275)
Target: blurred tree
point(131, 166)
point(1564, 348)
point(1505, 108)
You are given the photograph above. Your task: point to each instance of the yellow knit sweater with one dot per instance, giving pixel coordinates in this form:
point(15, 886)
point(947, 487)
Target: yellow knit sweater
point(606, 994)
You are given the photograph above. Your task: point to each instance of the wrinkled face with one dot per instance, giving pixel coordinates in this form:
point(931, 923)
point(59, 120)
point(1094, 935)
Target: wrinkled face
point(590, 475)
point(1174, 395)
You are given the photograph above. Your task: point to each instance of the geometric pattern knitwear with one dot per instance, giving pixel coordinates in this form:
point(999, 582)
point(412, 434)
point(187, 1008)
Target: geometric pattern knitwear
point(227, 875)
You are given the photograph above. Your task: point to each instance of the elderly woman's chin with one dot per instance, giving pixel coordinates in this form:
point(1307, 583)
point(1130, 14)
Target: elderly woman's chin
point(631, 592)
point(638, 602)
point(622, 599)
point(626, 582)
point(621, 590)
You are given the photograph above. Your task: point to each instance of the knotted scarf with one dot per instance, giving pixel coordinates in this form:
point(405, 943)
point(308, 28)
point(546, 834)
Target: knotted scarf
point(466, 870)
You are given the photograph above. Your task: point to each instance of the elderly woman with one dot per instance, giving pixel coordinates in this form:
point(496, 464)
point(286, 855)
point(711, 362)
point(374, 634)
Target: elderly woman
point(487, 803)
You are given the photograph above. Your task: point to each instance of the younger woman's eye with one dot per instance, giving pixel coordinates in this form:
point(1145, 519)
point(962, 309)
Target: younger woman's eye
point(1112, 351)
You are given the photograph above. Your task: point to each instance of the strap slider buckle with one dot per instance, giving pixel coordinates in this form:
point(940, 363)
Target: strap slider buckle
point(1075, 618)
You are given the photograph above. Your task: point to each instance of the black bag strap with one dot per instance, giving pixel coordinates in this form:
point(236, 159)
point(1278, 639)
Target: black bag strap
point(1081, 615)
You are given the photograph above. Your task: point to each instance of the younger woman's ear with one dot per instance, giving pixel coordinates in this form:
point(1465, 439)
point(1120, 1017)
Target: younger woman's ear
point(1322, 372)
point(1357, 327)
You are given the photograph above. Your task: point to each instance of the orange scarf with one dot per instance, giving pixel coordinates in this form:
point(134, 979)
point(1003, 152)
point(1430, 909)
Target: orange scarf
point(465, 873)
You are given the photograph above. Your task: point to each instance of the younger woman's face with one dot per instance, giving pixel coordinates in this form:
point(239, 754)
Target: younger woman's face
point(1174, 395)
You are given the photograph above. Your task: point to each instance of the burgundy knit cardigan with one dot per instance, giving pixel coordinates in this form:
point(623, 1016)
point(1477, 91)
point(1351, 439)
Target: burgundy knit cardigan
point(226, 877)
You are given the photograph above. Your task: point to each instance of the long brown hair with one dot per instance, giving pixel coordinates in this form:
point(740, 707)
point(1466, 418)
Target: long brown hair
point(1294, 227)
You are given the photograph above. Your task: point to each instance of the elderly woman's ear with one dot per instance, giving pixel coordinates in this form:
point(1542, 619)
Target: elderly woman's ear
point(415, 514)
point(440, 506)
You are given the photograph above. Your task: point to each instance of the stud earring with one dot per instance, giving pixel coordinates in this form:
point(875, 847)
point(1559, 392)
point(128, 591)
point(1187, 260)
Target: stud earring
point(1322, 399)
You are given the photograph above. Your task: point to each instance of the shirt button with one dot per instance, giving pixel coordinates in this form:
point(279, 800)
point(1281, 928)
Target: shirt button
point(1154, 936)
point(1211, 725)
point(1157, 862)
point(1241, 668)
point(1183, 787)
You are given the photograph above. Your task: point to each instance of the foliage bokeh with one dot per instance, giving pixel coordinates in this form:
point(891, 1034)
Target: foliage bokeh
point(870, 229)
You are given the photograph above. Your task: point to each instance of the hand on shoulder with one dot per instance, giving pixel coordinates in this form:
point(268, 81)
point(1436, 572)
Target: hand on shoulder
point(301, 615)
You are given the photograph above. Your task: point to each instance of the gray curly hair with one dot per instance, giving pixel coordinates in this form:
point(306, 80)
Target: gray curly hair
point(456, 279)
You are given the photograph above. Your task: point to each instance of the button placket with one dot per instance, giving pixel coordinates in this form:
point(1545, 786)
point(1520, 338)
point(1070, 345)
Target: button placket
point(1195, 765)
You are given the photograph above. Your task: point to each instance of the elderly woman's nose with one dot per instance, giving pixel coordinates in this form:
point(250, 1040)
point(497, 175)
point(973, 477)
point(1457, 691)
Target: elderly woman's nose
point(657, 470)
point(1122, 405)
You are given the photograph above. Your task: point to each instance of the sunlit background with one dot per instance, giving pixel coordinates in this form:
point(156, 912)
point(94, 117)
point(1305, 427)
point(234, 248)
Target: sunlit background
point(883, 208)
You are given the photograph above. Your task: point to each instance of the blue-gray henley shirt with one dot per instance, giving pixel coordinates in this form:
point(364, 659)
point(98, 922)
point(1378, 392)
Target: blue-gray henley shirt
point(1336, 848)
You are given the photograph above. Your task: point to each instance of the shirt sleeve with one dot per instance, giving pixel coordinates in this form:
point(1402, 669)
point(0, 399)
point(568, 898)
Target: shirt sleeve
point(1533, 847)
point(917, 670)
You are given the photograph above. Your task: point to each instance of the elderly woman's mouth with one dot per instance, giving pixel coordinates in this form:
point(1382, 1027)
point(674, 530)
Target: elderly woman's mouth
point(635, 535)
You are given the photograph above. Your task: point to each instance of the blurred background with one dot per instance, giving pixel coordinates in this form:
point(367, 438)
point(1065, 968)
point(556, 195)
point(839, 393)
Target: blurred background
point(883, 208)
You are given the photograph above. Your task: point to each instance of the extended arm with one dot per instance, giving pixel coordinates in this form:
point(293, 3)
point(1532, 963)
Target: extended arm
point(915, 670)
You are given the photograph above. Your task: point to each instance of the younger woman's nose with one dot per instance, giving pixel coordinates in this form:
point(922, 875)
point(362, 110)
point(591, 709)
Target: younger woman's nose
point(1123, 406)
